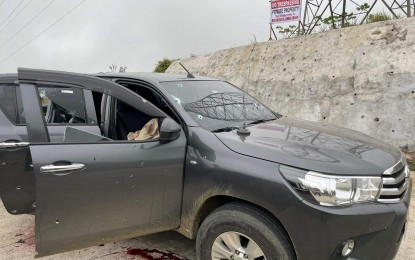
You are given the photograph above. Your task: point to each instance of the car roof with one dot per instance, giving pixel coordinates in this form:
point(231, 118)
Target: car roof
point(160, 77)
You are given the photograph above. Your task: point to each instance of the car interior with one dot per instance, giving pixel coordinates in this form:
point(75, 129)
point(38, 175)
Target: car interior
point(119, 120)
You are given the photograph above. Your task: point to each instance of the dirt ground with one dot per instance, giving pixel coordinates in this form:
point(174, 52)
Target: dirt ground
point(17, 242)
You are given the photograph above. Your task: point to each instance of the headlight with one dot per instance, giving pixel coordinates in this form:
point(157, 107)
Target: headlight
point(331, 190)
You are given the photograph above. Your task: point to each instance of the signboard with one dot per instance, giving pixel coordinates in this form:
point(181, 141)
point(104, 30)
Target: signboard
point(285, 11)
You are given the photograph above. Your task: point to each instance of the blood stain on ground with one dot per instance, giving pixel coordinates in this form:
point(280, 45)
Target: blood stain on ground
point(153, 254)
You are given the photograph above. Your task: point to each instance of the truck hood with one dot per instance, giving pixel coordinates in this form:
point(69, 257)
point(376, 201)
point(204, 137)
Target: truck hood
point(314, 146)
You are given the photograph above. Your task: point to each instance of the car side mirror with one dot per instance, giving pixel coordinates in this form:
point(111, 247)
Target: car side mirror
point(169, 130)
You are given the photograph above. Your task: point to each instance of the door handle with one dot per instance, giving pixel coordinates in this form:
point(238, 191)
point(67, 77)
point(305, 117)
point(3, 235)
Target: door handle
point(61, 170)
point(6, 145)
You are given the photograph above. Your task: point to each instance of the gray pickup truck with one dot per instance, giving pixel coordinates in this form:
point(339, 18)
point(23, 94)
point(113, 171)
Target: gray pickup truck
point(217, 166)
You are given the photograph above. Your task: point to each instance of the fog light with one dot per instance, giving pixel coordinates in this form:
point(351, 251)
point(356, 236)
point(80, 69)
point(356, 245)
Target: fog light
point(348, 246)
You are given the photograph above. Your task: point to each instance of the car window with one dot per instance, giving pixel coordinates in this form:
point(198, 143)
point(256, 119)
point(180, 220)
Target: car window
point(62, 105)
point(76, 135)
point(7, 101)
point(120, 122)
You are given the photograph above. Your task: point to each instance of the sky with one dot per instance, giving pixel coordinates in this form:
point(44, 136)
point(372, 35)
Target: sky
point(132, 33)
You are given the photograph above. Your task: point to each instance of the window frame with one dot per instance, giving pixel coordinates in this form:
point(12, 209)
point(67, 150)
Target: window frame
point(151, 87)
point(52, 84)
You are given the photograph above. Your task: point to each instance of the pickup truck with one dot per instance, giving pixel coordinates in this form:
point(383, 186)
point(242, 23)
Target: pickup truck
point(218, 166)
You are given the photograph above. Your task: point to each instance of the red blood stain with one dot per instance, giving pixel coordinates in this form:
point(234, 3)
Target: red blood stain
point(30, 241)
point(153, 254)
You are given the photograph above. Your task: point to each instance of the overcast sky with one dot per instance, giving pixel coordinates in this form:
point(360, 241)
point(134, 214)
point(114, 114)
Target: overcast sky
point(132, 33)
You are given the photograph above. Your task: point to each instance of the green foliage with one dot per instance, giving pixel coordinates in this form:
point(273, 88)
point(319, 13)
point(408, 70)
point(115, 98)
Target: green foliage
point(163, 65)
point(378, 17)
point(335, 21)
point(411, 165)
point(350, 19)
point(287, 32)
point(363, 7)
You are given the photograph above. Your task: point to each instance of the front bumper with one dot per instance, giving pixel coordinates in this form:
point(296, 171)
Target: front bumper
point(317, 232)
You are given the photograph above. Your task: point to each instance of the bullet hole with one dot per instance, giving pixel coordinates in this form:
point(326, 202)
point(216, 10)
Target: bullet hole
point(393, 131)
point(284, 69)
point(101, 245)
point(376, 119)
point(141, 163)
point(413, 91)
point(34, 205)
point(399, 119)
point(133, 186)
point(341, 35)
point(355, 94)
point(131, 176)
point(362, 116)
point(292, 79)
point(57, 221)
point(391, 72)
point(324, 118)
point(288, 95)
point(116, 182)
point(333, 77)
point(125, 218)
point(351, 104)
point(95, 158)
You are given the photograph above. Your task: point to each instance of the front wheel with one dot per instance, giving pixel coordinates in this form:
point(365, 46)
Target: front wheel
point(240, 232)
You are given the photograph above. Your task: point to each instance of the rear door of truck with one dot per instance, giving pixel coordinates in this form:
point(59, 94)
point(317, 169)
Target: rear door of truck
point(17, 183)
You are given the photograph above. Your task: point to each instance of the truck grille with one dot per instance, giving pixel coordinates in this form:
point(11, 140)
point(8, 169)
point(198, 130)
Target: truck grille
point(395, 181)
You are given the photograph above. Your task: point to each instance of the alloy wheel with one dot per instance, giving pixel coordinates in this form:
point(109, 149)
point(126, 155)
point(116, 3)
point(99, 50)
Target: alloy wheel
point(236, 246)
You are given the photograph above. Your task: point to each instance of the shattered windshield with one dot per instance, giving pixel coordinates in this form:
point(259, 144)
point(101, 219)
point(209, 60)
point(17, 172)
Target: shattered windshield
point(217, 105)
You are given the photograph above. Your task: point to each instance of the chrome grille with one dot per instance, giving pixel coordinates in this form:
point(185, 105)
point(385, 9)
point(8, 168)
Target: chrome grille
point(395, 181)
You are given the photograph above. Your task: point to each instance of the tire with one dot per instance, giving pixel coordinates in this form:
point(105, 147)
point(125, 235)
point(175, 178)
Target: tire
point(237, 220)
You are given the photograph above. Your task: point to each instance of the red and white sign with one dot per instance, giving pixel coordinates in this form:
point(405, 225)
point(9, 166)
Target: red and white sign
point(285, 11)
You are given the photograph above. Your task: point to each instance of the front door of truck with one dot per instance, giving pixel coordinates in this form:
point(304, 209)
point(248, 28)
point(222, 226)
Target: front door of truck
point(91, 189)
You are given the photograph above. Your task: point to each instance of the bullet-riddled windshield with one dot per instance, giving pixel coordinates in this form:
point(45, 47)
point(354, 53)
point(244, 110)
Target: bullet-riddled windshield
point(217, 105)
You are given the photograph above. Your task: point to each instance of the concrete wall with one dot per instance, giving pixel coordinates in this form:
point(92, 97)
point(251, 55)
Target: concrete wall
point(360, 77)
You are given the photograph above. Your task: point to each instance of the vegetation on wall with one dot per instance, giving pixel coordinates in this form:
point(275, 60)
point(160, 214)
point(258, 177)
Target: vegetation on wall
point(163, 65)
point(378, 17)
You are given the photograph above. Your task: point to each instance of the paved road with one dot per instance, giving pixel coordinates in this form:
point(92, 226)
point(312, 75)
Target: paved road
point(17, 242)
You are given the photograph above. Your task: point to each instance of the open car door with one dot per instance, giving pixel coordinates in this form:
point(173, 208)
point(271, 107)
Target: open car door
point(17, 182)
point(90, 189)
